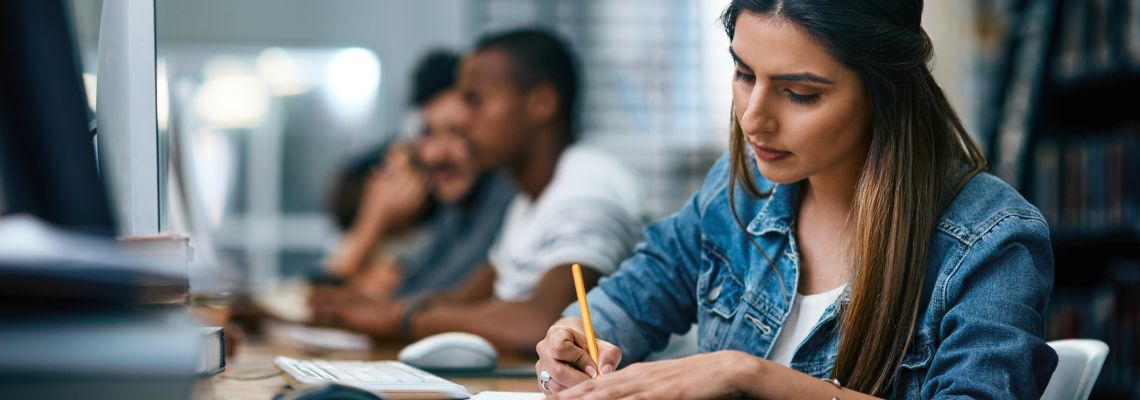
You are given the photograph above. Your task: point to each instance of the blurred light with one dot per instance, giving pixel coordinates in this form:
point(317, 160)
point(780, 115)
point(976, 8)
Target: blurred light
point(281, 72)
point(90, 83)
point(213, 161)
point(162, 94)
point(353, 77)
point(231, 96)
point(221, 65)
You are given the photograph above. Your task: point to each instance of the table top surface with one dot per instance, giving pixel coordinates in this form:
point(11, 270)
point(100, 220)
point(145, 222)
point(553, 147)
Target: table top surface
point(250, 374)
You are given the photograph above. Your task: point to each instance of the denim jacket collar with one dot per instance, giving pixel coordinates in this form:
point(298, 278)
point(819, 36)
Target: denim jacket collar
point(779, 211)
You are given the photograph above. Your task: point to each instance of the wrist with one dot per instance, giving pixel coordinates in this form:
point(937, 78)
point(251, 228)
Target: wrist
point(370, 226)
point(570, 322)
point(408, 311)
point(747, 373)
point(354, 252)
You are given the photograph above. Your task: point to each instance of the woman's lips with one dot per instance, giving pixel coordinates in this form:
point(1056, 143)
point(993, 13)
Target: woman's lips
point(769, 154)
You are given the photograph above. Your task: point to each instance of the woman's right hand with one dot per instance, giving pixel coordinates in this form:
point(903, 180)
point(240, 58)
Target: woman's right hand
point(564, 355)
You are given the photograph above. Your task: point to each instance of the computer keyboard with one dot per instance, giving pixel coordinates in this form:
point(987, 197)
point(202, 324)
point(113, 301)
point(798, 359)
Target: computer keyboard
point(392, 378)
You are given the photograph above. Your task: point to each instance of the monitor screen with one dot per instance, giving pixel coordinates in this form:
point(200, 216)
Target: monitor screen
point(46, 151)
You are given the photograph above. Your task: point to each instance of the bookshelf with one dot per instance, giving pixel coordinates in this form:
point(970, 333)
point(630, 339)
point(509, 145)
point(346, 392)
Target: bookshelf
point(1067, 134)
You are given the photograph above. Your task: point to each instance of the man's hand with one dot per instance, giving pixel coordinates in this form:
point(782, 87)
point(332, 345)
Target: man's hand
point(348, 309)
point(391, 201)
point(394, 195)
point(378, 281)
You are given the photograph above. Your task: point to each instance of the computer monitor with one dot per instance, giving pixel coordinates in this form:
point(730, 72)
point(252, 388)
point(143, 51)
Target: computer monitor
point(129, 151)
point(47, 156)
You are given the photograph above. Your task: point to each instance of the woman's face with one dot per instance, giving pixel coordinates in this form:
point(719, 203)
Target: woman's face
point(803, 113)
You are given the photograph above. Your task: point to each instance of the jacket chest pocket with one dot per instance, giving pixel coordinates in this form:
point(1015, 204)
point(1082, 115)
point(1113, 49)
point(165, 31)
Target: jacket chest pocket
point(915, 365)
point(719, 293)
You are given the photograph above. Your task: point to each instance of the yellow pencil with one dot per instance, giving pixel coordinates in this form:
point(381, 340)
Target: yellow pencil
point(591, 343)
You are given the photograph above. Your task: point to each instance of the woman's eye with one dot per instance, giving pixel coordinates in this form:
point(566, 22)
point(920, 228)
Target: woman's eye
point(740, 76)
point(802, 98)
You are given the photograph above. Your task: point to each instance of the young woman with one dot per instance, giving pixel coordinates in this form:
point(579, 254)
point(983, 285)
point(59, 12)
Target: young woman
point(849, 246)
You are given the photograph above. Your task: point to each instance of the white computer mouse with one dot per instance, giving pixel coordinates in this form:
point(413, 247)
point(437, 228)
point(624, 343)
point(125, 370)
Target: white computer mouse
point(451, 351)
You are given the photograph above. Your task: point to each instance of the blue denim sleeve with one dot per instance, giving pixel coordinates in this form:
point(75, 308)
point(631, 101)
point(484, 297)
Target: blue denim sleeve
point(992, 342)
point(652, 295)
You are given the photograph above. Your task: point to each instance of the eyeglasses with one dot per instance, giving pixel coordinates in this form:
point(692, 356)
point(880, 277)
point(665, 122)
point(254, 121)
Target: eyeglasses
point(417, 129)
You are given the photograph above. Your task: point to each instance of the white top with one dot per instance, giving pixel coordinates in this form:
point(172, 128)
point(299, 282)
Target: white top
point(591, 213)
point(806, 312)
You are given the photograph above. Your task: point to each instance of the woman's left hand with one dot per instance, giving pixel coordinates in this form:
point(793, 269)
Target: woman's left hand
point(703, 376)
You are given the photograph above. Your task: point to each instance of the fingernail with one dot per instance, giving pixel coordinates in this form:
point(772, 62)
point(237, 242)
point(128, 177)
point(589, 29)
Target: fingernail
point(591, 371)
point(608, 368)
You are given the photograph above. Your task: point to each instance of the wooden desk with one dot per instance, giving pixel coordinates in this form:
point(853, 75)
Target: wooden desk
point(250, 373)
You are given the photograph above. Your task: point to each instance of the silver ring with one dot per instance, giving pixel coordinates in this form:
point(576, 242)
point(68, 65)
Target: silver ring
point(543, 378)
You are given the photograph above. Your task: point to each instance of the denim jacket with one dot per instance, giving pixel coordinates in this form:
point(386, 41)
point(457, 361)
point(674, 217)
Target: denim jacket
point(980, 326)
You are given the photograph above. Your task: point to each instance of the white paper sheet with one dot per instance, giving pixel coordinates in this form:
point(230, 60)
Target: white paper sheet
point(509, 396)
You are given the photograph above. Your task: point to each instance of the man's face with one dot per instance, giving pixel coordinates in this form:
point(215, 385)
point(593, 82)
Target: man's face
point(497, 114)
point(444, 151)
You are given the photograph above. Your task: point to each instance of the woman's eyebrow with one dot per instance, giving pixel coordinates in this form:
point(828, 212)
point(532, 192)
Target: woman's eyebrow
point(796, 77)
point(736, 59)
point(801, 77)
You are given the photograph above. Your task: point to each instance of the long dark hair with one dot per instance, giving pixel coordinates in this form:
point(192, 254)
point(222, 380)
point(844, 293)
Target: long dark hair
point(919, 157)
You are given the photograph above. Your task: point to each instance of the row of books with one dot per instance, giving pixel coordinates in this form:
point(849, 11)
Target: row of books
point(1097, 36)
point(1110, 313)
point(82, 318)
point(1089, 183)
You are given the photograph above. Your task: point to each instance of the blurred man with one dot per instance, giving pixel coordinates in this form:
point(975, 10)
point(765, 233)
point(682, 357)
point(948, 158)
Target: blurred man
point(575, 205)
point(438, 166)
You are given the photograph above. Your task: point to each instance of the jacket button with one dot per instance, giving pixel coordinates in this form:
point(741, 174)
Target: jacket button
point(715, 292)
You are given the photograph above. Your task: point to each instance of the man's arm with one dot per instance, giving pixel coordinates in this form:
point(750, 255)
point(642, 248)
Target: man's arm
point(510, 325)
point(356, 246)
point(479, 286)
point(391, 201)
point(379, 280)
point(381, 316)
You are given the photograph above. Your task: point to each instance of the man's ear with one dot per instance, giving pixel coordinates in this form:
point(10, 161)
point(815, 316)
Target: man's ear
point(542, 102)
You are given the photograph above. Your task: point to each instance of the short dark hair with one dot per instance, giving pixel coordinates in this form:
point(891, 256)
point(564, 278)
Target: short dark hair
point(434, 75)
point(537, 56)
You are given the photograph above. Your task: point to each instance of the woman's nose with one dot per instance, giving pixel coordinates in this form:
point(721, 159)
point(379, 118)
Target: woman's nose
point(758, 117)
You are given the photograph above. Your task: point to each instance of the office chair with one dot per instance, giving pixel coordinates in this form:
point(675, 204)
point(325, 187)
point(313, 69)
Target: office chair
point(1078, 364)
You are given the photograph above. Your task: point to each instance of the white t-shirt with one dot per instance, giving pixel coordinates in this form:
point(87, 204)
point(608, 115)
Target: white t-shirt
point(591, 213)
point(806, 312)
